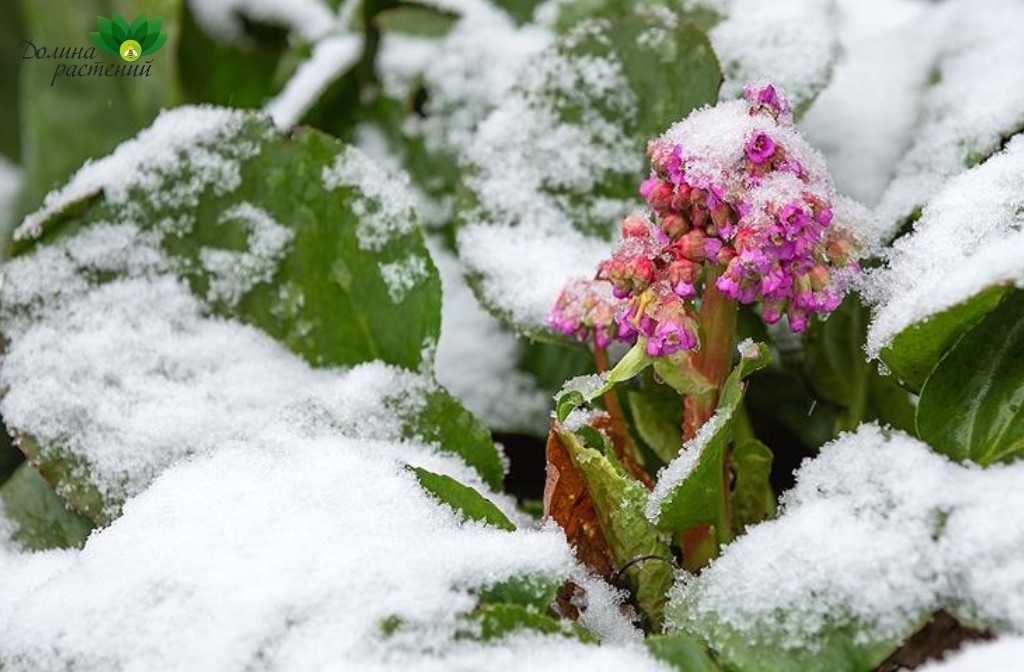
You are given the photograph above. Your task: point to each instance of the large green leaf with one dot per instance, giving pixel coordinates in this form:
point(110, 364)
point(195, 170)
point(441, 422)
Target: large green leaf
point(915, 351)
point(464, 500)
point(77, 118)
point(971, 405)
point(571, 12)
point(41, 518)
point(327, 298)
point(519, 193)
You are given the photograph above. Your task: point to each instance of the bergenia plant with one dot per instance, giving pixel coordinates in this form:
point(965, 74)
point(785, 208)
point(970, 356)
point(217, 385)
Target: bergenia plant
point(741, 211)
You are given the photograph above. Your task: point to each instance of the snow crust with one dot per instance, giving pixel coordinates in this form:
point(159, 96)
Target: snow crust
point(970, 237)
point(288, 550)
point(792, 43)
point(878, 532)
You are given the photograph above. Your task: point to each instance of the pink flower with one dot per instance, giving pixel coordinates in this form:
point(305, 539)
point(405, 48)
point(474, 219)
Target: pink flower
point(760, 148)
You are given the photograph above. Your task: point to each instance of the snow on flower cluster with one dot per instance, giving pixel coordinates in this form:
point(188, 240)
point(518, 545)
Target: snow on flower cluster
point(735, 187)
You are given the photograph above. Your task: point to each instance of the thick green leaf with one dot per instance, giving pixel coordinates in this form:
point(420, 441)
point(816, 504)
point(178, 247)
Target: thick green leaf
point(534, 592)
point(834, 649)
point(753, 499)
point(682, 652)
point(41, 518)
point(586, 389)
point(639, 551)
point(462, 499)
point(571, 12)
point(972, 405)
point(915, 351)
point(83, 117)
point(658, 418)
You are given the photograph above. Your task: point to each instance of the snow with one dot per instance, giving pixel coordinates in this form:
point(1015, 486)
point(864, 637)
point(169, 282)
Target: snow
point(534, 176)
point(748, 349)
point(310, 19)
point(792, 43)
point(1003, 655)
point(403, 275)
point(331, 57)
point(672, 475)
point(878, 532)
point(977, 99)
point(476, 358)
point(202, 137)
point(381, 197)
point(289, 552)
point(969, 238)
point(234, 273)
point(863, 120)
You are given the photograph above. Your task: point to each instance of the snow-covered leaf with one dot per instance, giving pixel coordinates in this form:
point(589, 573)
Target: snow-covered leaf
point(555, 166)
point(792, 43)
point(973, 103)
point(952, 269)
point(971, 404)
point(121, 360)
point(879, 533)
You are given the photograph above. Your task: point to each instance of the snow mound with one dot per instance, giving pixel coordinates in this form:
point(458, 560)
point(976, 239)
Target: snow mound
point(878, 533)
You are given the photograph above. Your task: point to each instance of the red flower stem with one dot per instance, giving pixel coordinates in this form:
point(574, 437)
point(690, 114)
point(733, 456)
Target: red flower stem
point(713, 360)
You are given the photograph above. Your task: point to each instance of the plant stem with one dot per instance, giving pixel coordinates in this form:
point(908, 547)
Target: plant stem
point(713, 360)
point(624, 449)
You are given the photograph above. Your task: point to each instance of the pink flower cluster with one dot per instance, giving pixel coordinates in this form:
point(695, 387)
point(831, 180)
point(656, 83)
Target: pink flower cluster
point(738, 198)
